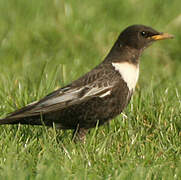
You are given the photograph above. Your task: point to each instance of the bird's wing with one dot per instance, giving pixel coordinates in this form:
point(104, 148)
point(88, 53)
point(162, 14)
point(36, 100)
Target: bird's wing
point(93, 86)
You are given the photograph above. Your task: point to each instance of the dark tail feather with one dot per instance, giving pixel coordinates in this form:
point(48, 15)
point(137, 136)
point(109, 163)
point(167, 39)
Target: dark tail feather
point(22, 116)
point(7, 121)
point(35, 120)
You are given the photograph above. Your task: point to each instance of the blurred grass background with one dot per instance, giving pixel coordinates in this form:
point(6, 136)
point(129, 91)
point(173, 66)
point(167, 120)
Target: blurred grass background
point(47, 44)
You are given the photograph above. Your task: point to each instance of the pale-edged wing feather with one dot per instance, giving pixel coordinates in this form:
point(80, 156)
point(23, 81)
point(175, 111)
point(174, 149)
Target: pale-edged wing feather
point(70, 95)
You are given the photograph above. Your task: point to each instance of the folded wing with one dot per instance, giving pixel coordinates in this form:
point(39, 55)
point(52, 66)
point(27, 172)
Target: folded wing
point(65, 97)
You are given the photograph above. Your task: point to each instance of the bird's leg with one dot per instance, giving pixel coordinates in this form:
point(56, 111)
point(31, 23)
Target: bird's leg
point(79, 134)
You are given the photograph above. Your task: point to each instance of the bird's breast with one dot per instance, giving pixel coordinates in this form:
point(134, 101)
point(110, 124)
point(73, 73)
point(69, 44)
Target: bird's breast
point(129, 73)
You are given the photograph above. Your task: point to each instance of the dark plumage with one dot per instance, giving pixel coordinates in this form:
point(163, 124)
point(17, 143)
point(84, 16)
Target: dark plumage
point(99, 95)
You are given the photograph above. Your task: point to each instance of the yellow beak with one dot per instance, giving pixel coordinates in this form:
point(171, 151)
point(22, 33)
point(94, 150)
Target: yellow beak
point(162, 36)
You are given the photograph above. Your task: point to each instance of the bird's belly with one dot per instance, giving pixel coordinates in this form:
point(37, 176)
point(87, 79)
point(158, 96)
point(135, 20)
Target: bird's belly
point(88, 113)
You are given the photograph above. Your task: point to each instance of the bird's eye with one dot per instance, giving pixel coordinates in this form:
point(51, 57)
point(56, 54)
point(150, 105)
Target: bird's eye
point(143, 33)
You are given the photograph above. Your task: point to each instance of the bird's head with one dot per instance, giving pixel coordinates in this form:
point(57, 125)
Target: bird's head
point(140, 36)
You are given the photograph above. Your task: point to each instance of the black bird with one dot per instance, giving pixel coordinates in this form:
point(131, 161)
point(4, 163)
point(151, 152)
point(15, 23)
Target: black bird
point(99, 95)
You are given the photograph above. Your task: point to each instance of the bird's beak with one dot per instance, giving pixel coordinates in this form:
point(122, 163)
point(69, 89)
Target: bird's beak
point(162, 36)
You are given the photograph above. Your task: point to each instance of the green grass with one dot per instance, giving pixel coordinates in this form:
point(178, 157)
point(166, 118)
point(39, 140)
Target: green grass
point(47, 44)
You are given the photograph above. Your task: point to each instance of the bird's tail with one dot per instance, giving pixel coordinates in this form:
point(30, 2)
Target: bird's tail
point(22, 116)
point(12, 121)
point(5, 121)
point(35, 120)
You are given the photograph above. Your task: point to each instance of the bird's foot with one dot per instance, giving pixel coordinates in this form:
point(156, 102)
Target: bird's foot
point(79, 135)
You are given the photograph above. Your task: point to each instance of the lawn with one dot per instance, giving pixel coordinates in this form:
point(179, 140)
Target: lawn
point(45, 45)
